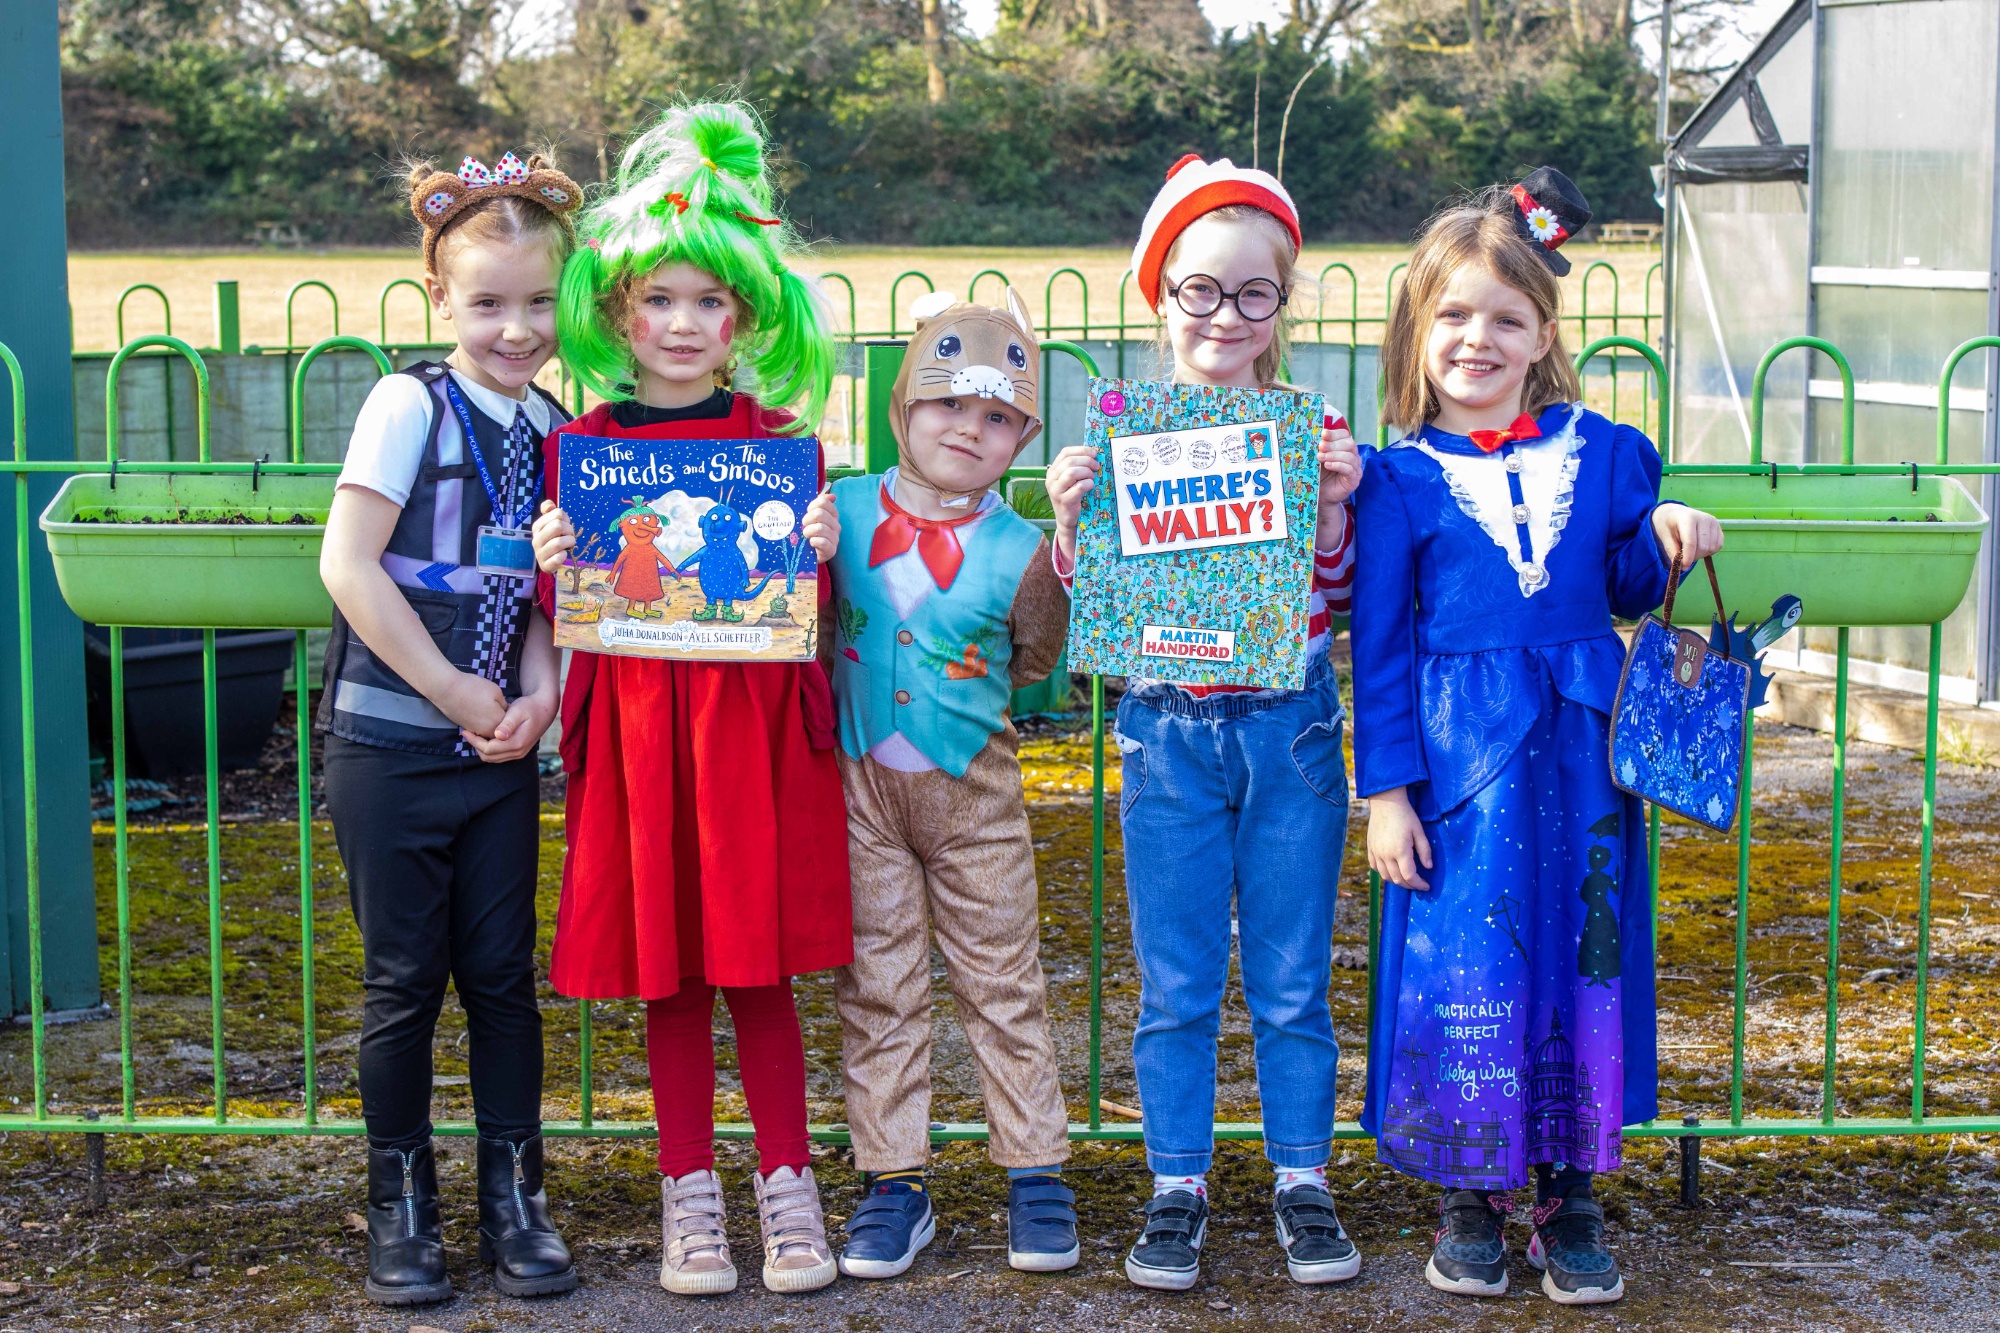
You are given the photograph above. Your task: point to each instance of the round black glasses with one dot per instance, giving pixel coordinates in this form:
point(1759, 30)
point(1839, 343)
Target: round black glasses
point(1201, 296)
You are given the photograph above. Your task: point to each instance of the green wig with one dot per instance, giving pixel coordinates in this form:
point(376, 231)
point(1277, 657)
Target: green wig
point(694, 189)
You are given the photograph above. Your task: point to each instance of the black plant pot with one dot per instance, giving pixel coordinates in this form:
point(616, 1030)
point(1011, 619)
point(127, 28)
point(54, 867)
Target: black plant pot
point(163, 715)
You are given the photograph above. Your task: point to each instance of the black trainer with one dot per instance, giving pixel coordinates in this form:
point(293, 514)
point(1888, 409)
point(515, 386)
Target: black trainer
point(1568, 1246)
point(1316, 1246)
point(1469, 1256)
point(1167, 1256)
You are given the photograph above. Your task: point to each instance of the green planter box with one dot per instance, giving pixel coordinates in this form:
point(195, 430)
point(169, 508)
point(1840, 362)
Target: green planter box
point(1855, 550)
point(188, 550)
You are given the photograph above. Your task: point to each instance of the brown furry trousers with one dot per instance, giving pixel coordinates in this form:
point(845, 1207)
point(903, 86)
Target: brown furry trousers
point(928, 851)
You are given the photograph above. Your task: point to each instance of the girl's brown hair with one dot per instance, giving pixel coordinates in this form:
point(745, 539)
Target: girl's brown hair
point(1284, 255)
point(1480, 231)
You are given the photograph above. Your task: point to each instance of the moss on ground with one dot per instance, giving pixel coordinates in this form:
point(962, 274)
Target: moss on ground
point(195, 1216)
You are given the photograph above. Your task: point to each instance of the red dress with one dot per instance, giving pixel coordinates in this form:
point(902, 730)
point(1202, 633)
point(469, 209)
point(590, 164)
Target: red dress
point(707, 831)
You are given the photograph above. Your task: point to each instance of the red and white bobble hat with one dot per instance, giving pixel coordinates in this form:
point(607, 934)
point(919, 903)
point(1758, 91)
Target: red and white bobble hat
point(1195, 188)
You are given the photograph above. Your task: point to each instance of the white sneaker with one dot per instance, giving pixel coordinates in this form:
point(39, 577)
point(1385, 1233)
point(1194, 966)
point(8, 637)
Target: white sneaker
point(694, 1258)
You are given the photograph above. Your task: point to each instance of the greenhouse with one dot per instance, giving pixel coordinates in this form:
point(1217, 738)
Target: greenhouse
point(1817, 192)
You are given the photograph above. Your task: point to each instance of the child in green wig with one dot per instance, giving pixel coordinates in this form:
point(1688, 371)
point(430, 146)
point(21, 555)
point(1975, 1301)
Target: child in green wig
point(677, 769)
point(694, 190)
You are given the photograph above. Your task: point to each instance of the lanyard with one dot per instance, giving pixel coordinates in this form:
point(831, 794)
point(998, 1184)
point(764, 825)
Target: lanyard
point(505, 517)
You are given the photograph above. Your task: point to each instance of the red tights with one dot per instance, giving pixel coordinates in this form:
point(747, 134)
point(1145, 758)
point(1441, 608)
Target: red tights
point(770, 1054)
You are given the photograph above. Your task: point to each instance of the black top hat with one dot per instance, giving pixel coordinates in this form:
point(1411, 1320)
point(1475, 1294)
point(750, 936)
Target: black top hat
point(1548, 210)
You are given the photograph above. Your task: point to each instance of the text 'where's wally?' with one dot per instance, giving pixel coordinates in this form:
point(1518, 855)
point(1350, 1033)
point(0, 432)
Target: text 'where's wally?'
point(1191, 490)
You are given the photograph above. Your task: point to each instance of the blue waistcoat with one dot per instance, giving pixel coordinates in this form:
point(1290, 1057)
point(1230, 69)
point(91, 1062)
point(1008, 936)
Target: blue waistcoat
point(922, 676)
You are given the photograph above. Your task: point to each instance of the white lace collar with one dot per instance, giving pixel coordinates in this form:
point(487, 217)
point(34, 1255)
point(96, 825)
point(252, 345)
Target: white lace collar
point(1547, 475)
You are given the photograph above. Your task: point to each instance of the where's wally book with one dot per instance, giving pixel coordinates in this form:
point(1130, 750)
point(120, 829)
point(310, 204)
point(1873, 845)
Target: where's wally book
point(689, 549)
point(1194, 553)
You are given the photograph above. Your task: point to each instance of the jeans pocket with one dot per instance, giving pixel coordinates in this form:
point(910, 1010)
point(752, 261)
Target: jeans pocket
point(1131, 771)
point(1317, 756)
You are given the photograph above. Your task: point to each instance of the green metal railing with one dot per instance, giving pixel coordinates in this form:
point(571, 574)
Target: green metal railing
point(311, 1121)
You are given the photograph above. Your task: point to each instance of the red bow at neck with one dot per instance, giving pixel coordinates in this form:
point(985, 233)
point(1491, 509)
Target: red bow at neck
point(936, 543)
point(1524, 428)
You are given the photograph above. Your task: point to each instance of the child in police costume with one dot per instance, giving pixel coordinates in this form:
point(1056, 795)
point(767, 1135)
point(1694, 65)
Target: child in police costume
point(440, 679)
point(947, 602)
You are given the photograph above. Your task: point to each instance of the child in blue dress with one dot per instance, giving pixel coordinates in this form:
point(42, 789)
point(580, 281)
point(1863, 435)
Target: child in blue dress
point(1514, 1022)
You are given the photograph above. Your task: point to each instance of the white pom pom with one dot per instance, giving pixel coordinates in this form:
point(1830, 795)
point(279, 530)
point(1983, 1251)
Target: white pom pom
point(932, 303)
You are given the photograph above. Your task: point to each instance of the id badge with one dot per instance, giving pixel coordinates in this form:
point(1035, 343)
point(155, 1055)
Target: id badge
point(506, 551)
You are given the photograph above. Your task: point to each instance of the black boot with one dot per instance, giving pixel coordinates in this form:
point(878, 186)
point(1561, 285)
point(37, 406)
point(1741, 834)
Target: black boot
point(405, 1233)
point(515, 1234)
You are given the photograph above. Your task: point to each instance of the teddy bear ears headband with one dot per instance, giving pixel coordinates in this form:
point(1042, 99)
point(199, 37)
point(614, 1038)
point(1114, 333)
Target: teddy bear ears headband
point(442, 197)
point(964, 350)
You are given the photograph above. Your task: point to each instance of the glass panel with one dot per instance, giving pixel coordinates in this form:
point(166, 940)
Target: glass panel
point(1786, 82)
point(1906, 180)
point(1740, 286)
point(1901, 335)
point(1734, 130)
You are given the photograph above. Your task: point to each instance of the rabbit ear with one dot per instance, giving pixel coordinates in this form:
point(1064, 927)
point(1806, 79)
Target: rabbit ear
point(1019, 310)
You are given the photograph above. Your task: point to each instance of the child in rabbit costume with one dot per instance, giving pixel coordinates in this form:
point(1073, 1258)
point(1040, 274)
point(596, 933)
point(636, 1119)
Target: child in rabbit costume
point(947, 601)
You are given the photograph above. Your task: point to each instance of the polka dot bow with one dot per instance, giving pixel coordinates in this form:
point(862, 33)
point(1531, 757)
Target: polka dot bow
point(509, 170)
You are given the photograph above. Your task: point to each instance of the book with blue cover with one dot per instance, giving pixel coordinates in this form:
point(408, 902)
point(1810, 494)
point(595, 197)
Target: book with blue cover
point(688, 549)
point(1194, 552)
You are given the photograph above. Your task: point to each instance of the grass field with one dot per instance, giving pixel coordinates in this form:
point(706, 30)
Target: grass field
point(358, 277)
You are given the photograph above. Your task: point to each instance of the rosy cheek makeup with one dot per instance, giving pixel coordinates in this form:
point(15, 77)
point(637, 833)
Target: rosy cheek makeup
point(642, 329)
point(728, 327)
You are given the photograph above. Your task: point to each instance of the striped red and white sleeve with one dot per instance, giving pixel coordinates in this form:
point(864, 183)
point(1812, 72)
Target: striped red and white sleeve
point(1332, 588)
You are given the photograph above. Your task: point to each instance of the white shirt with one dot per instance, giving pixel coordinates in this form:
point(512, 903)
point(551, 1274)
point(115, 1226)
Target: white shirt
point(387, 447)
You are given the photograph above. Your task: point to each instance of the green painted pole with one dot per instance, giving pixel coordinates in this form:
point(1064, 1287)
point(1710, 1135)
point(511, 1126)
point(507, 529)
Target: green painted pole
point(1096, 902)
point(48, 899)
point(1826, 1098)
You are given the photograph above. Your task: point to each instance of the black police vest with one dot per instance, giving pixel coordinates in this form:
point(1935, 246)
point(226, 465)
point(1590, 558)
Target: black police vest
point(430, 558)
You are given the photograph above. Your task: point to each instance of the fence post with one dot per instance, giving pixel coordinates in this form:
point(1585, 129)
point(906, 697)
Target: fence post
point(34, 323)
point(228, 319)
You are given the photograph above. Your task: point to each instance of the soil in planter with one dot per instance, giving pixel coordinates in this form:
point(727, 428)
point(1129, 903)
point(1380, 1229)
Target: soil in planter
point(223, 517)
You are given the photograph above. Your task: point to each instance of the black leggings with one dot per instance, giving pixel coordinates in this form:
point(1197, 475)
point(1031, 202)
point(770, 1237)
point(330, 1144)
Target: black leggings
point(441, 857)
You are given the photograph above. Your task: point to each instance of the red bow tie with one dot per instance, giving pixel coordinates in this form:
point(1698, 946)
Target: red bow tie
point(1524, 428)
point(936, 543)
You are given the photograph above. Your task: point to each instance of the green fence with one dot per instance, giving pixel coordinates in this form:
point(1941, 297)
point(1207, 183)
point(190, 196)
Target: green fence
point(309, 1119)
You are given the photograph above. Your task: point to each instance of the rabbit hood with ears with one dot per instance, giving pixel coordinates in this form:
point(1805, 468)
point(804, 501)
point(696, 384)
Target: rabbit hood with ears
point(963, 350)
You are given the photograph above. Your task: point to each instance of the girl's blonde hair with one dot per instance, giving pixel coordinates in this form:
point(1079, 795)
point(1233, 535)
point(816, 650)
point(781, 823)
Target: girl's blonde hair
point(1480, 231)
point(1271, 361)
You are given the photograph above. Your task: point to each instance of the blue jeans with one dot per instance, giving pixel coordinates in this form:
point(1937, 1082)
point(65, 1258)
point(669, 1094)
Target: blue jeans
point(1240, 799)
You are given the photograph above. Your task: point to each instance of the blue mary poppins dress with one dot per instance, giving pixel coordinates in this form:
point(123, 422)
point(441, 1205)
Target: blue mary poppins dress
point(1514, 999)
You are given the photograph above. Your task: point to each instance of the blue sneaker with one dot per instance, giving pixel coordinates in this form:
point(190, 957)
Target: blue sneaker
point(1469, 1254)
point(893, 1222)
point(1041, 1225)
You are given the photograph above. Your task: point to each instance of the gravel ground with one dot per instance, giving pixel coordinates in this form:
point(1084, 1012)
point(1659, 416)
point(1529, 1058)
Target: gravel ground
point(234, 1234)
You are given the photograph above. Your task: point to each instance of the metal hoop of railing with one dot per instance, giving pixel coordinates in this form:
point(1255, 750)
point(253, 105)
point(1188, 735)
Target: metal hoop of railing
point(30, 790)
point(1353, 325)
point(166, 308)
point(1389, 289)
point(1833, 354)
point(972, 288)
point(1048, 302)
point(381, 311)
point(848, 283)
point(1583, 327)
point(896, 286)
point(293, 295)
point(1124, 279)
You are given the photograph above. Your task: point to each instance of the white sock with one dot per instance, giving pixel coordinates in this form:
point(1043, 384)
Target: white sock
point(1291, 1179)
point(1197, 1185)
